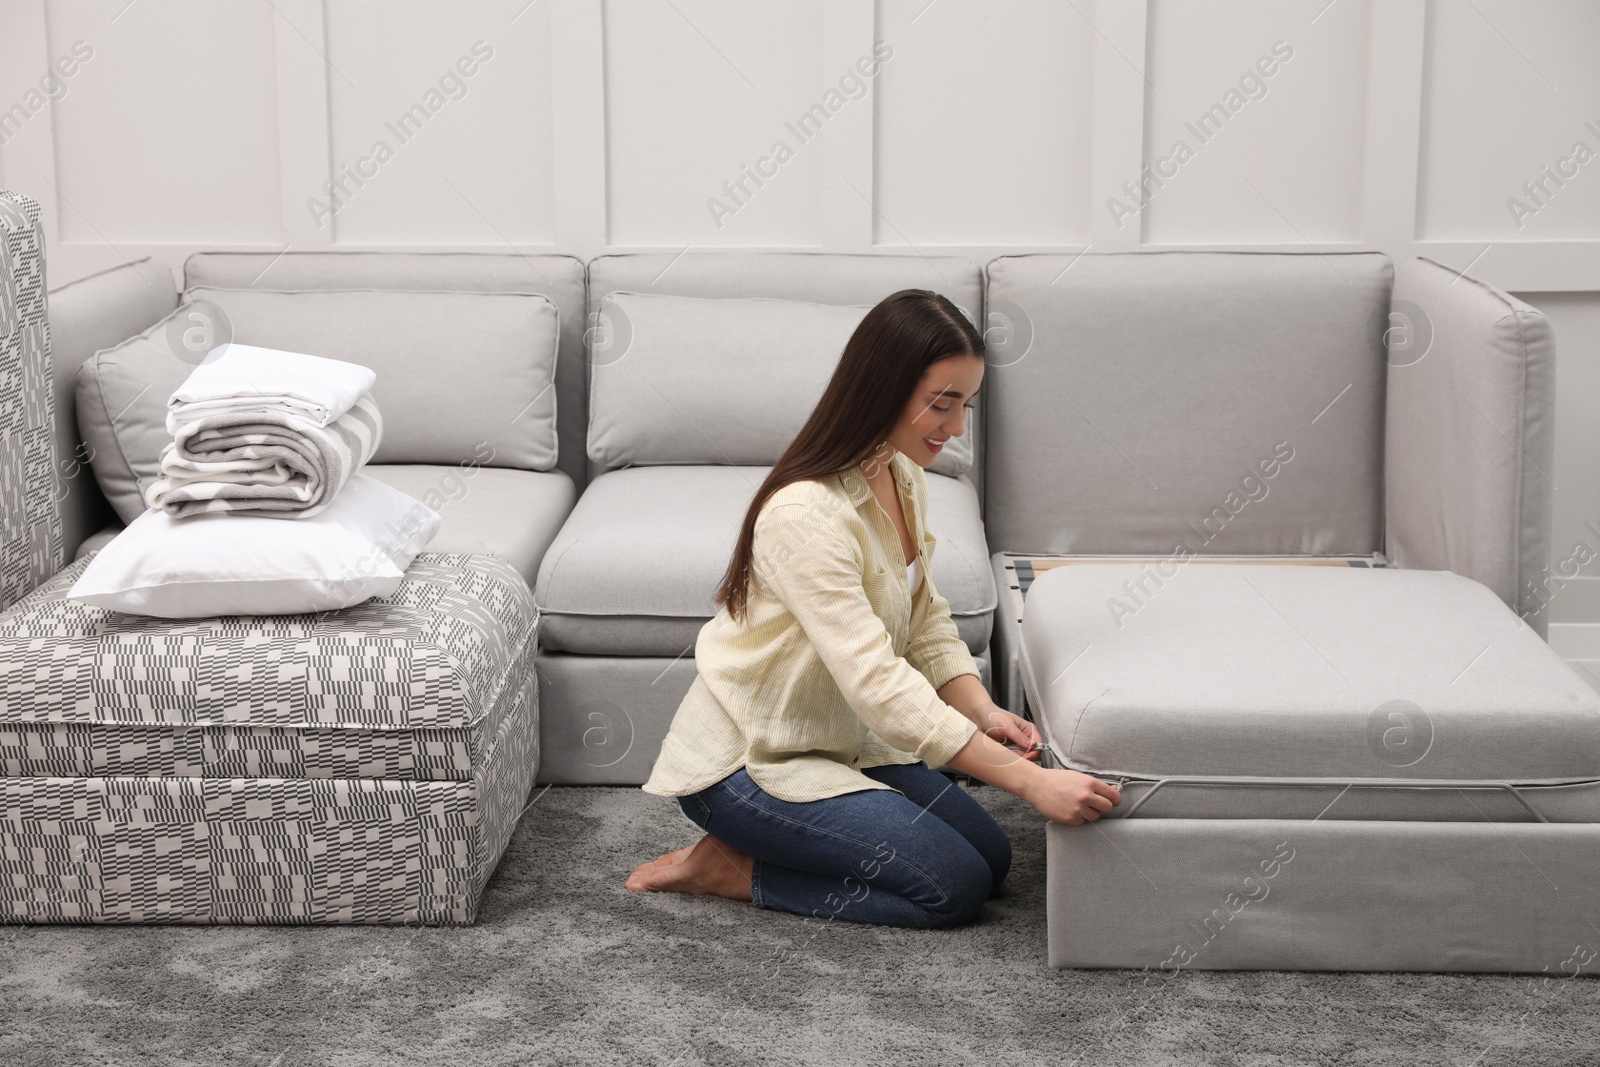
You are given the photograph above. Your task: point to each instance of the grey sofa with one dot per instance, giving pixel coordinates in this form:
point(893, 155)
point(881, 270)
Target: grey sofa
point(1379, 766)
point(1130, 404)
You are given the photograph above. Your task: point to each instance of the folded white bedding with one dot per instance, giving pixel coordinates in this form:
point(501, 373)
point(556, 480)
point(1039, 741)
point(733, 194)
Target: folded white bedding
point(271, 381)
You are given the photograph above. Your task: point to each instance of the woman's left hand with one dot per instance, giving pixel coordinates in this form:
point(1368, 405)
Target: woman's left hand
point(1006, 727)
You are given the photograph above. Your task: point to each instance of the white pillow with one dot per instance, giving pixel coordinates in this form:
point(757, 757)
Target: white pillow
point(226, 563)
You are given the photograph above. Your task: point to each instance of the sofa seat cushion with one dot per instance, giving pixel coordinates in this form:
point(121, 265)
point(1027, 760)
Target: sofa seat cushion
point(1233, 670)
point(98, 540)
point(411, 685)
point(513, 514)
point(634, 569)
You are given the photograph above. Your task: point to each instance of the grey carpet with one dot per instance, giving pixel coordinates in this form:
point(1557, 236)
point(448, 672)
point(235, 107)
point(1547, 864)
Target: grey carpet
point(567, 967)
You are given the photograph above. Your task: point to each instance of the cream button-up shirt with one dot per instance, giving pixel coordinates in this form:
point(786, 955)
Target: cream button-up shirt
point(837, 665)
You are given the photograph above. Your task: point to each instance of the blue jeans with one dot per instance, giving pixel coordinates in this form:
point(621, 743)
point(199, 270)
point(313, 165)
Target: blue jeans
point(929, 858)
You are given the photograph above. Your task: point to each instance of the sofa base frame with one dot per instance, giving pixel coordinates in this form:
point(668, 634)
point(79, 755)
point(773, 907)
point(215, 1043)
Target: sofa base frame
point(287, 851)
point(1324, 895)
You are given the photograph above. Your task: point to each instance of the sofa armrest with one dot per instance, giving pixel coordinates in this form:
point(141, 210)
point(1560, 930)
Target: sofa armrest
point(86, 316)
point(1469, 450)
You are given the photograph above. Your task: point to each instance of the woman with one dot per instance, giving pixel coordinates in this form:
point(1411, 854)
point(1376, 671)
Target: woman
point(832, 681)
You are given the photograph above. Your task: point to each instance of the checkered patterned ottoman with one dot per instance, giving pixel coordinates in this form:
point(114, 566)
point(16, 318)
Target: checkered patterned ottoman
point(365, 765)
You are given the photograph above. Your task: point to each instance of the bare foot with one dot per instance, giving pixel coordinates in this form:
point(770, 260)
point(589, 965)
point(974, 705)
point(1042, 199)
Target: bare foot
point(660, 861)
point(708, 867)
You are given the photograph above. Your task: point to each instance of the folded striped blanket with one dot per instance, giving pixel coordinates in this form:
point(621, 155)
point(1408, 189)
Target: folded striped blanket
point(265, 462)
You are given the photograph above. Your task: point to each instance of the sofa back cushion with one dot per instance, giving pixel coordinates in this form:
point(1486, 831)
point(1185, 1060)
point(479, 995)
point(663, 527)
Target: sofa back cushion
point(461, 376)
point(1186, 402)
point(688, 379)
point(829, 278)
point(560, 278)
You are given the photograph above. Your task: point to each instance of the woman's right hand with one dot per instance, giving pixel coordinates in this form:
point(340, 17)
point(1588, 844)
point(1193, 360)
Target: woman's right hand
point(1070, 797)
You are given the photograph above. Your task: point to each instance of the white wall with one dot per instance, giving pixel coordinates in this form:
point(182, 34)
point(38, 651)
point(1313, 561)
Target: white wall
point(589, 126)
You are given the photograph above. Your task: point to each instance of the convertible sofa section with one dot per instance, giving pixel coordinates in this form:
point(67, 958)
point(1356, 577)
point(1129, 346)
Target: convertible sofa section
point(1324, 766)
point(1266, 404)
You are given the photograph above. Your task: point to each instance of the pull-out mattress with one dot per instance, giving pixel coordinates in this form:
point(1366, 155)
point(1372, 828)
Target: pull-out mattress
point(1323, 768)
point(1239, 691)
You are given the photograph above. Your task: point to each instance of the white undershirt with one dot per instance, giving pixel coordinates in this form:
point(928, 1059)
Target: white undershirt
point(912, 574)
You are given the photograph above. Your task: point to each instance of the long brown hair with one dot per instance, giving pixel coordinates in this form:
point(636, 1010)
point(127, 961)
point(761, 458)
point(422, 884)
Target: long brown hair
point(882, 363)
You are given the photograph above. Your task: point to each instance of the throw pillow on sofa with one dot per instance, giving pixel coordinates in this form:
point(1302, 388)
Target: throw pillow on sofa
point(695, 380)
point(239, 564)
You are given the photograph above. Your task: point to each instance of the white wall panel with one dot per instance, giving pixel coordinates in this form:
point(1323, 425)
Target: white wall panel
point(444, 155)
point(604, 125)
point(1511, 87)
point(699, 90)
point(1576, 320)
point(958, 161)
point(169, 133)
point(1281, 160)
